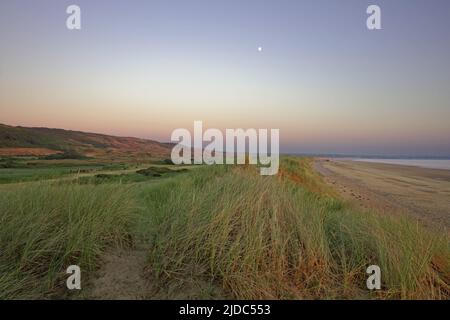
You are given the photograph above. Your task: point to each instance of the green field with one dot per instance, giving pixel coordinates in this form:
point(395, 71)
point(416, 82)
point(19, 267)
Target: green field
point(210, 232)
point(90, 171)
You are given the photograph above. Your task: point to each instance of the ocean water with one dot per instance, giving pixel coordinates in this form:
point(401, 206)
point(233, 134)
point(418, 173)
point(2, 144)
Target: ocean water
point(428, 163)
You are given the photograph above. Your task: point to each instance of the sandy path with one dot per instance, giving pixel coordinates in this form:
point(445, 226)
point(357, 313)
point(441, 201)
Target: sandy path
point(419, 192)
point(122, 276)
point(125, 274)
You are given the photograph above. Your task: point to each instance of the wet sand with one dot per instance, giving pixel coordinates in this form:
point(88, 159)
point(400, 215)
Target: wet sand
point(419, 192)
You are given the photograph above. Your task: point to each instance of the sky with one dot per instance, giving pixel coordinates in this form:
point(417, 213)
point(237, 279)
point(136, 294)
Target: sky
point(145, 68)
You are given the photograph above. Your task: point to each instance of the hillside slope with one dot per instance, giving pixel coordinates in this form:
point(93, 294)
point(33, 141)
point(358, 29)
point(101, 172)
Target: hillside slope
point(44, 141)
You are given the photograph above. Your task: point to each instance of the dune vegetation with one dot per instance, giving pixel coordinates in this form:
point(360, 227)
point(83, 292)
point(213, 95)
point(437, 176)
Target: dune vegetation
point(46, 227)
point(219, 232)
point(289, 237)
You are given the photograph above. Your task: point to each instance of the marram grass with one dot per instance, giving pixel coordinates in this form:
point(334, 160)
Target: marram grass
point(270, 238)
point(47, 227)
point(219, 231)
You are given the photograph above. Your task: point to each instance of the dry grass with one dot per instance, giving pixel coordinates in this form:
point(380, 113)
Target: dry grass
point(45, 228)
point(220, 231)
point(270, 238)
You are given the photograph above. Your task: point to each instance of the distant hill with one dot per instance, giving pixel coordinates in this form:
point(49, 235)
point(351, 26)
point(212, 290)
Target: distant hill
point(15, 141)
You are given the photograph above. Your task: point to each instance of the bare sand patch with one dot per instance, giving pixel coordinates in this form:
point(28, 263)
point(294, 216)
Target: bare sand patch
point(122, 276)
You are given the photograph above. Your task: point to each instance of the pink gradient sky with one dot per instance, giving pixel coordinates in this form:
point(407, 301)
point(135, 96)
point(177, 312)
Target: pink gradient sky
point(323, 79)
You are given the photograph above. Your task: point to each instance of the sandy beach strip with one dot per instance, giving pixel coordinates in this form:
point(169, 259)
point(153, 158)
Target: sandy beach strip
point(422, 193)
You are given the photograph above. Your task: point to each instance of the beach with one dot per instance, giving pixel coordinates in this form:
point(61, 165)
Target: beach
point(422, 193)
